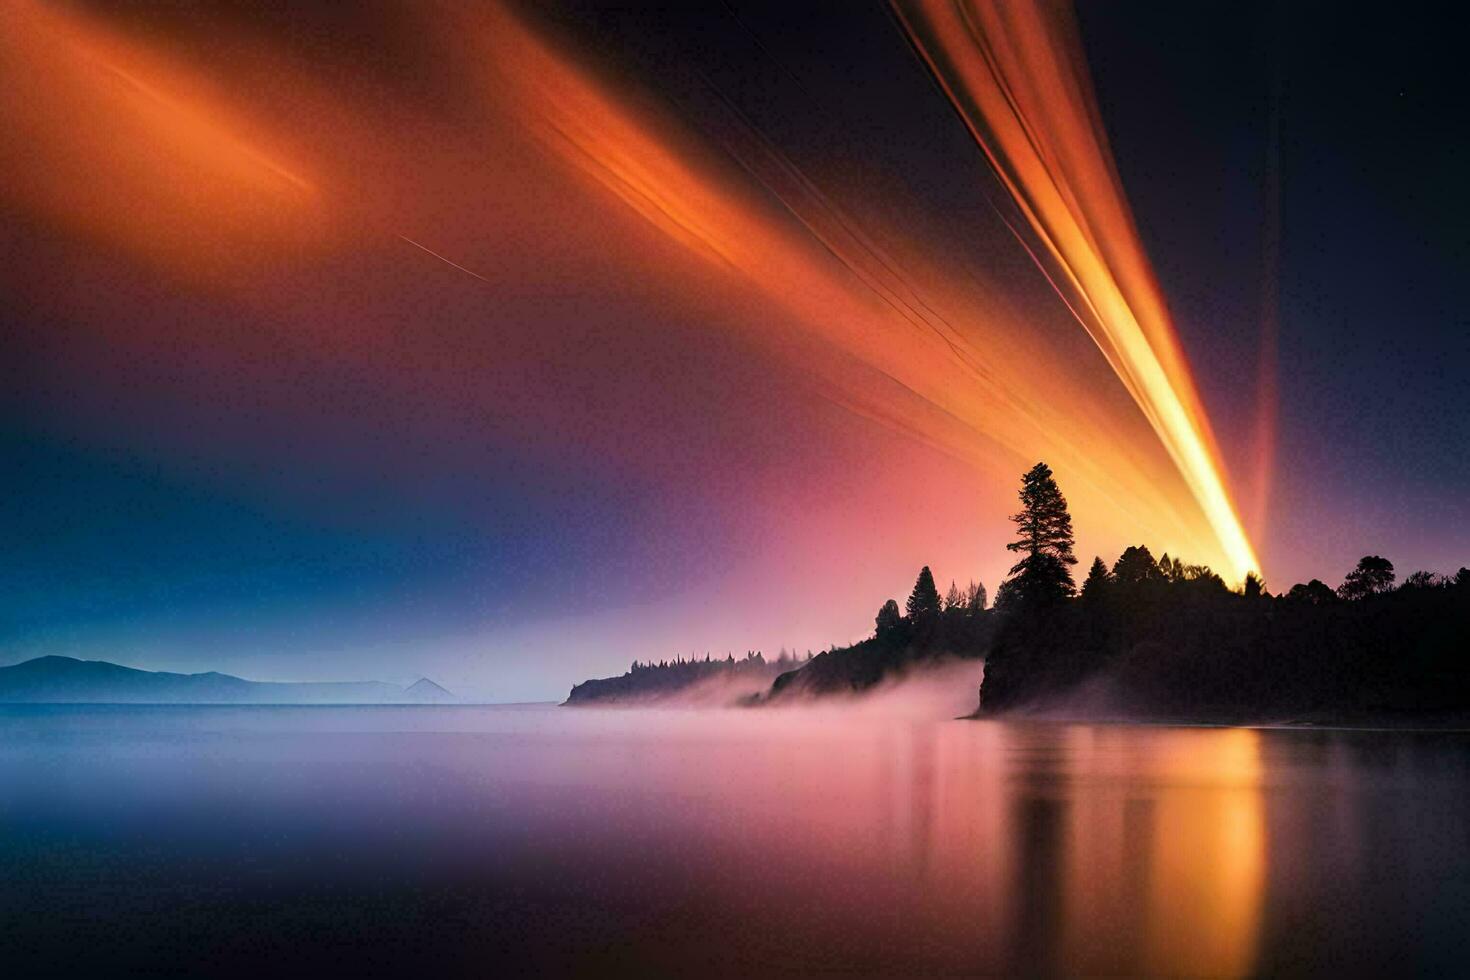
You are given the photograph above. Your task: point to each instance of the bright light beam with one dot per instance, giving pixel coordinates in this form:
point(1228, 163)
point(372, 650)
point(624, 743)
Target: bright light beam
point(1016, 75)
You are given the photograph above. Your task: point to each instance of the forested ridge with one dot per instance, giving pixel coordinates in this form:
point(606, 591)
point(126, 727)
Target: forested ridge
point(1142, 637)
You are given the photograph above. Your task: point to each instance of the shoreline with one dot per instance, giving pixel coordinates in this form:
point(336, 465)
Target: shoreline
point(1451, 725)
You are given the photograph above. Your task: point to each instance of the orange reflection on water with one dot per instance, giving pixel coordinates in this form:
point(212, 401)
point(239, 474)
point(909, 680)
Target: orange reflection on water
point(1209, 856)
point(977, 847)
point(1136, 850)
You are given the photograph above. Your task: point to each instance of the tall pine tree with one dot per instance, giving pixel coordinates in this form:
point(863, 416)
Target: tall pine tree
point(1044, 540)
point(923, 604)
point(1097, 581)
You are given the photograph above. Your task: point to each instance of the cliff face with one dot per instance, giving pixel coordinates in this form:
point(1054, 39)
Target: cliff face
point(846, 671)
point(861, 668)
point(893, 653)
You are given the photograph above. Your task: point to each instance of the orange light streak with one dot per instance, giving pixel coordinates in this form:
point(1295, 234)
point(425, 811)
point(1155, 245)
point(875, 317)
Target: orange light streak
point(1016, 75)
point(551, 172)
point(970, 378)
point(108, 138)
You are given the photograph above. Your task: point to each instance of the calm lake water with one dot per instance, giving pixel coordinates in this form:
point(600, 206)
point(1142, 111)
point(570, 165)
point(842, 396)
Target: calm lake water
point(497, 840)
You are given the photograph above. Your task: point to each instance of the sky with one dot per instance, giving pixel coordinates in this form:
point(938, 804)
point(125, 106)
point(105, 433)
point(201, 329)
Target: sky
point(505, 344)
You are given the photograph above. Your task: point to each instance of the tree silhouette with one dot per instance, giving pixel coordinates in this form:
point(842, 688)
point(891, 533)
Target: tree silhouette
point(889, 618)
point(1008, 595)
point(1315, 592)
point(953, 600)
point(1136, 566)
point(1424, 580)
point(1044, 539)
point(1097, 581)
point(1373, 575)
point(1184, 645)
point(1253, 587)
point(923, 604)
point(975, 598)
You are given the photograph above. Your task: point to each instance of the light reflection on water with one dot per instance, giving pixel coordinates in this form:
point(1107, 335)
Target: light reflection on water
point(571, 840)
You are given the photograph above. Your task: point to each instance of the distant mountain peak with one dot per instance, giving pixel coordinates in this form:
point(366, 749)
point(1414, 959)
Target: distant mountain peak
point(424, 689)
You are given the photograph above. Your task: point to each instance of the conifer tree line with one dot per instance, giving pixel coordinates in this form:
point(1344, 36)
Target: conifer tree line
point(1170, 638)
point(1158, 636)
point(925, 609)
point(728, 662)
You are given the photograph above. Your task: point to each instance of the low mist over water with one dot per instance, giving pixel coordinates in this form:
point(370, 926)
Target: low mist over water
point(509, 839)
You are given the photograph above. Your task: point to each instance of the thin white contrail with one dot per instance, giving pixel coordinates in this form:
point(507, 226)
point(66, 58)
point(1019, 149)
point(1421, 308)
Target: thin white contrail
point(441, 258)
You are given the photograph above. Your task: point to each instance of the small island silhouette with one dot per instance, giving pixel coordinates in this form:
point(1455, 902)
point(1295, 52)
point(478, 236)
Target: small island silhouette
point(1145, 639)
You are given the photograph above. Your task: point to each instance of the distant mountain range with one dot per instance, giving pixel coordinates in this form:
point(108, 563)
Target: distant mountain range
point(59, 680)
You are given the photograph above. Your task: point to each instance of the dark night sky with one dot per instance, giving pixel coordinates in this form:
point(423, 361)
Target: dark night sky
point(1374, 364)
point(377, 470)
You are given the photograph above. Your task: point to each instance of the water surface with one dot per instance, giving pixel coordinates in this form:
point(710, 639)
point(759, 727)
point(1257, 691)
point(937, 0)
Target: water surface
point(497, 840)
